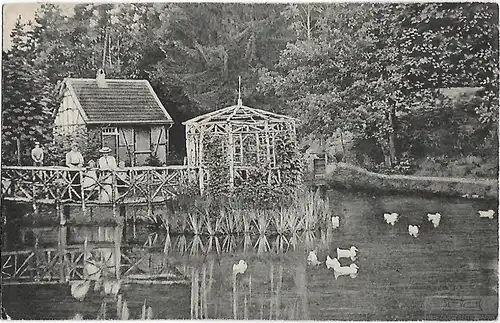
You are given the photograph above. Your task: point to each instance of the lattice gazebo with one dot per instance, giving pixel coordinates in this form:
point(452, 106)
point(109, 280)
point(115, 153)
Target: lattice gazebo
point(237, 142)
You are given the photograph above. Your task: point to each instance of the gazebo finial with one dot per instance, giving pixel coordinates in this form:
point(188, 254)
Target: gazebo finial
point(239, 91)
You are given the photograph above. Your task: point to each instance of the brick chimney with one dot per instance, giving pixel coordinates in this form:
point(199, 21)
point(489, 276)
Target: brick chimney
point(101, 78)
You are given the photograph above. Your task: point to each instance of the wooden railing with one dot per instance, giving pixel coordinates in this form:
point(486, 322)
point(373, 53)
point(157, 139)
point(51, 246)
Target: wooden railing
point(130, 185)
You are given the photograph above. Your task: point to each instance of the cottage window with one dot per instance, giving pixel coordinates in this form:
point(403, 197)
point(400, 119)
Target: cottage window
point(110, 131)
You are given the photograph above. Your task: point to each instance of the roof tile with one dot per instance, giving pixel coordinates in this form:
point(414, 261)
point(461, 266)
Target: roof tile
point(120, 101)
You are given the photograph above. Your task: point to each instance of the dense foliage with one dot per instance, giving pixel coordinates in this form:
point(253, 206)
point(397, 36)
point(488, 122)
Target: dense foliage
point(373, 70)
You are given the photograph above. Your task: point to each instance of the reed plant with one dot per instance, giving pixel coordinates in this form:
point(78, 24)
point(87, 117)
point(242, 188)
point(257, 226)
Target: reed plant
point(167, 244)
point(181, 244)
point(213, 239)
point(213, 243)
point(261, 222)
point(281, 225)
point(196, 246)
point(229, 243)
point(196, 222)
point(247, 242)
point(220, 221)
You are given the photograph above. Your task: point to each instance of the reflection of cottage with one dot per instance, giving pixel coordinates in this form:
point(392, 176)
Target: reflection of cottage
point(125, 115)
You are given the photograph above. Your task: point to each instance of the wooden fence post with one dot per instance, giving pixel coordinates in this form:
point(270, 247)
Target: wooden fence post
point(82, 191)
point(148, 196)
point(33, 192)
point(114, 189)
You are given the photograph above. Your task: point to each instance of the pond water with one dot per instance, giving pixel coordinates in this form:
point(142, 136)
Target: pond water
point(397, 272)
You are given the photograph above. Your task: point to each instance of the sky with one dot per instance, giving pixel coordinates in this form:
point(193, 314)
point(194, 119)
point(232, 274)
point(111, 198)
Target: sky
point(10, 12)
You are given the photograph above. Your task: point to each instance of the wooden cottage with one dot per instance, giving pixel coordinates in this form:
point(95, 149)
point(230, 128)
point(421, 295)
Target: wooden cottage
point(249, 140)
point(124, 115)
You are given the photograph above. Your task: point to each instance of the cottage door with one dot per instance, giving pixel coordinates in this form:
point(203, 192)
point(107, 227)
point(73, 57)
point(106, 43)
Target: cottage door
point(142, 145)
point(109, 139)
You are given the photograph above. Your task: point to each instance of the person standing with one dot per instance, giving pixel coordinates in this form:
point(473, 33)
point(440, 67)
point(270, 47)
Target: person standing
point(37, 155)
point(107, 164)
point(74, 158)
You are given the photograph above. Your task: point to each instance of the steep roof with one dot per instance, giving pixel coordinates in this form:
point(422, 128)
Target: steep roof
point(120, 101)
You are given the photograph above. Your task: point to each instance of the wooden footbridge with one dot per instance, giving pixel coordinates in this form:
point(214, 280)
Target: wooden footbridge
point(86, 187)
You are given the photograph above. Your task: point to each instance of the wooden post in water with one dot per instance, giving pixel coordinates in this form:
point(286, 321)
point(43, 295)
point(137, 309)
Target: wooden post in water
point(192, 293)
point(62, 242)
point(245, 308)
point(235, 298)
point(117, 251)
point(271, 298)
point(278, 290)
point(261, 306)
point(204, 292)
point(196, 293)
point(119, 306)
point(250, 287)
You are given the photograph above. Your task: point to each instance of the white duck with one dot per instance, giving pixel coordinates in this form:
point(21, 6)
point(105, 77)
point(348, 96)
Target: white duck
point(413, 230)
point(434, 218)
point(312, 259)
point(347, 253)
point(391, 218)
point(351, 270)
point(79, 289)
point(332, 263)
point(486, 214)
point(240, 267)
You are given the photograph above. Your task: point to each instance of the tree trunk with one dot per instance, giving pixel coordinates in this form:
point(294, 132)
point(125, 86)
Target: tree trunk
point(392, 136)
point(308, 22)
point(386, 152)
point(18, 144)
point(342, 145)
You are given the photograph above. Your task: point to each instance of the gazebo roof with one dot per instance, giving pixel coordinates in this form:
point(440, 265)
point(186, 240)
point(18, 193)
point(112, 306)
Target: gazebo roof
point(239, 113)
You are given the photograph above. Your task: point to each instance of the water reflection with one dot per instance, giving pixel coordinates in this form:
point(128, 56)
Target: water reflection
point(395, 275)
point(259, 293)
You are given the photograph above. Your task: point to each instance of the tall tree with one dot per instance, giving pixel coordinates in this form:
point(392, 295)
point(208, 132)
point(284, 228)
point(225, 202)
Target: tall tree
point(27, 99)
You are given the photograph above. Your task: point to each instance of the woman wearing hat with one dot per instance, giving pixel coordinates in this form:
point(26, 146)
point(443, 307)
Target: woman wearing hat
point(106, 165)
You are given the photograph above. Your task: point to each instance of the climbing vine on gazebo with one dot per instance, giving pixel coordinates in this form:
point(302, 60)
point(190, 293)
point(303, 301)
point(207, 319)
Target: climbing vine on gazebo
point(217, 165)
